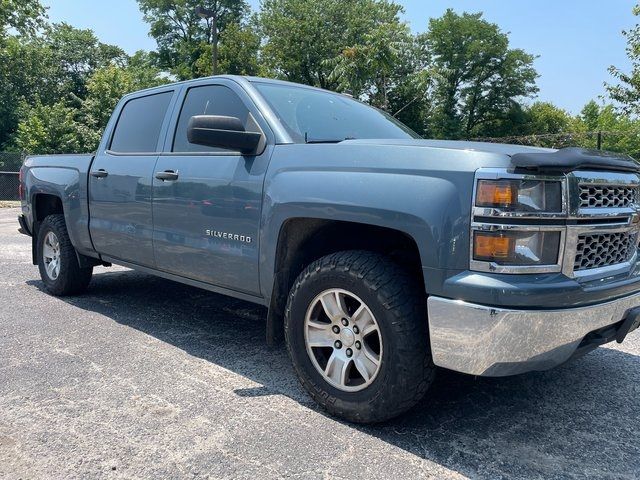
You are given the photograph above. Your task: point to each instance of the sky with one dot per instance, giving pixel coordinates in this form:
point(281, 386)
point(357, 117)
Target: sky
point(576, 40)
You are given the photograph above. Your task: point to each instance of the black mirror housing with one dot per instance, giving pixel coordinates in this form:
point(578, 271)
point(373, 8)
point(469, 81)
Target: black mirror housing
point(222, 132)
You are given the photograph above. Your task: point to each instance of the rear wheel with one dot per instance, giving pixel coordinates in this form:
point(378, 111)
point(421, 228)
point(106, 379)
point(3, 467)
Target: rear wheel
point(57, 259)
point(356, 330)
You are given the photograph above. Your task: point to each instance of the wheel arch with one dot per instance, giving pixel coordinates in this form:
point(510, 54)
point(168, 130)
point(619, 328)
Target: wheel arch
point(43, 205)
point(302, 240)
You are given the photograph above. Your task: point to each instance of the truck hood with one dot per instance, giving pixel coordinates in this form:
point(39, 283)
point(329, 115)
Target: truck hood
point(529, 158)
point(497, 148)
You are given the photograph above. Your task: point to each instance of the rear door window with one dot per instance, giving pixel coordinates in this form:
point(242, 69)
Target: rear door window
point(208, 100)
point(139, 124)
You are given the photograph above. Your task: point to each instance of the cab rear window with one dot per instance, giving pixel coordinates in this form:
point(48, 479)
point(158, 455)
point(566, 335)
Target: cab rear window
point(139, 124)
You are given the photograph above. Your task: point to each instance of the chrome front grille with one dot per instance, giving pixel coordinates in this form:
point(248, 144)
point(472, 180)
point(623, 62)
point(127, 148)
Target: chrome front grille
point(607, 196)
point(604, 250)
point(599, 224)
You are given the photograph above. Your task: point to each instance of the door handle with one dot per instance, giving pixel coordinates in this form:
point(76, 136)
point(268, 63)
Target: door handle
point(100, 173)
point(168, 175)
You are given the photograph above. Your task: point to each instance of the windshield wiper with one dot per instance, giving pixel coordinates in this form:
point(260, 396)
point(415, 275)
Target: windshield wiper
point(325, 140)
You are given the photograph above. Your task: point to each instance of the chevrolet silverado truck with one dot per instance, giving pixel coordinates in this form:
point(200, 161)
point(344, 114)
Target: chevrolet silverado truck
point(380, 256)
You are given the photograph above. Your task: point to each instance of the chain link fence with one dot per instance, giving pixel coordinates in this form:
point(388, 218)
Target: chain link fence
point(620, 142)
point(10, 164)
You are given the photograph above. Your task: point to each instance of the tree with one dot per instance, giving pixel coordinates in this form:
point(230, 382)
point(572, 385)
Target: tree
point(370, 69)
point(109, 84)
point(48, 129)
point(620, 132)
point(63, 128)
point(51, 67)
point(238, 53)
point(181, 35)
point(79, 53)
point(300, 35)
point(25, 16)
point(546, 118)
point(28, 71)
point(590, 116)
point(479, 79)
point(627, 91)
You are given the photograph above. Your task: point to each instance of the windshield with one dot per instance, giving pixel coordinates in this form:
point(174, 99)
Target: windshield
point(319, 116)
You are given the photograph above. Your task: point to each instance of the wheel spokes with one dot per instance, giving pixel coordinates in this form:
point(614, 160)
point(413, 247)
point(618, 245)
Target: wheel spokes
point(51, 255)
point(47, 252)
point(347, 349)
point(370, 355)
point(363, 319)
point(52, 269)
point(337, 369)
point(365, 367)
point(319, 335)
point(333, 305)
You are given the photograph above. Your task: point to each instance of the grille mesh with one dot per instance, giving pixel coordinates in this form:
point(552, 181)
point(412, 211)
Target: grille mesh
point(604, 249)
point(607, 196)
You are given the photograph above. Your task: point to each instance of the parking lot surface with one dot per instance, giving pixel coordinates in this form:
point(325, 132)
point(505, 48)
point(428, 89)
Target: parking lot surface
point(144, 378)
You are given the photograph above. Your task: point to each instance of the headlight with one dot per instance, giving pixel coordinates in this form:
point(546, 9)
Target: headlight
point(517, 248)
point(520, 195)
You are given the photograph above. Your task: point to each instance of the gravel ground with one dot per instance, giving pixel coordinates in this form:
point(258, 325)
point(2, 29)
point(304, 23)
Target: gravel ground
point(145, 378)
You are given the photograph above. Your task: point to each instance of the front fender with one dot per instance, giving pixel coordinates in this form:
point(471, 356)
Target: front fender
point(428, 208)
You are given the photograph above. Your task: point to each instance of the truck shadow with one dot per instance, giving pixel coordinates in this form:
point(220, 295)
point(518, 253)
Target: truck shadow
point(578, 420)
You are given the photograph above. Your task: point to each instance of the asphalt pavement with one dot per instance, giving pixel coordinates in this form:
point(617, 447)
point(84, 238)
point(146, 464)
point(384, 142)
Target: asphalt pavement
point(145, 378)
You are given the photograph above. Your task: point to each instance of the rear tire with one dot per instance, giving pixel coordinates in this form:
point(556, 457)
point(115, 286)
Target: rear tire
point(58, 261)
point(384, 370)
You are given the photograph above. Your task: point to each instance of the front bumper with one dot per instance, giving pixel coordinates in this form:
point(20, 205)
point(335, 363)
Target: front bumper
point(496, 342)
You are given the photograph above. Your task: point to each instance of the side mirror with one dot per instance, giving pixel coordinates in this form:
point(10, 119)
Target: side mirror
point(222, 132)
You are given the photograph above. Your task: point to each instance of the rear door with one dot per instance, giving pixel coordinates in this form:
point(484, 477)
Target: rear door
point(120, 180)
point(206, 219)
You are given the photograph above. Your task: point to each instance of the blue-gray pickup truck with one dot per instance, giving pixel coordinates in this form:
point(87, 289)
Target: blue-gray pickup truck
point(380, 256)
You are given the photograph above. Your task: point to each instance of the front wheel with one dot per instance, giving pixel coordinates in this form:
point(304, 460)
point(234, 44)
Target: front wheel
point(57, 260)
point(356, 330)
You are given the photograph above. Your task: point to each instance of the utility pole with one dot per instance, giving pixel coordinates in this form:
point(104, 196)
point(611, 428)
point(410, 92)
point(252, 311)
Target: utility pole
point(213, 15)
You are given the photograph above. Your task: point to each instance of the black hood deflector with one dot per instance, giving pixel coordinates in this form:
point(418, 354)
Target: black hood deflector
point(569, 159)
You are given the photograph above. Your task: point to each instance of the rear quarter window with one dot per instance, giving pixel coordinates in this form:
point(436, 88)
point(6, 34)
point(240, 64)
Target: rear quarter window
point(139, 124)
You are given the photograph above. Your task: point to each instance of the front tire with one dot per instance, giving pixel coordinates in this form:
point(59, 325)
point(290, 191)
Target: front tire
point(356, 331)
point(58, 261)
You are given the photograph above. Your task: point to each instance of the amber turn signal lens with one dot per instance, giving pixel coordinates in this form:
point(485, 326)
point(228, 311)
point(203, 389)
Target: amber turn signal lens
point(489, 247)
point(496, 194)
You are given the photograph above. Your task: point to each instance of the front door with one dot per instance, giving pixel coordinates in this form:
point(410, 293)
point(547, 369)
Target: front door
point(207, 201)
point(120, 182)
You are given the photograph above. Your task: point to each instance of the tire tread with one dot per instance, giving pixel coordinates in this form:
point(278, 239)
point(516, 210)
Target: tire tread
point(400, 295)
point(72, 279)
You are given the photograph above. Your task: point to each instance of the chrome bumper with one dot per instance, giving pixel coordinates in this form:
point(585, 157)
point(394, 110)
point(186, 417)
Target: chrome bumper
point(497, 342)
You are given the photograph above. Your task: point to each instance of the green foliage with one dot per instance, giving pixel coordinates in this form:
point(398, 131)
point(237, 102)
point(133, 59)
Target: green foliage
point(409, 100)
point(48, 129)
point(27, 72)
point(52, 67)
point(109, 84)
point(545, 118)
point(479, 78)
point(79, 129)
point(237, 55)
point(299, 36)
point(459, 79)
point(371, 69)
point(627, 90)
point(78, 54)
point(25, 16)
point(620, 133)
point(181, 35)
